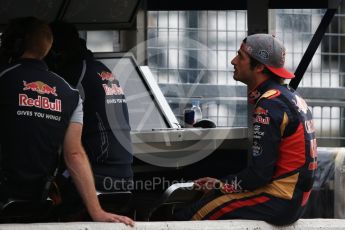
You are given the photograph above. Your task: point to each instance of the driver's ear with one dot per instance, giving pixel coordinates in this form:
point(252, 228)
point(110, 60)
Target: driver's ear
point(259, 68)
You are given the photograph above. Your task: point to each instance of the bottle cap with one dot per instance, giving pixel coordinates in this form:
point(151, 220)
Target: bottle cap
point(196, 102)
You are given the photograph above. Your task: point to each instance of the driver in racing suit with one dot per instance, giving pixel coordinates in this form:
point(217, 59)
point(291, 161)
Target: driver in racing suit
point(277, 182)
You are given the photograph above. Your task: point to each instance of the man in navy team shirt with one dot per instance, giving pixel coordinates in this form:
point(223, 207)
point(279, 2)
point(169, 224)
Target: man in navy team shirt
point(39, 113)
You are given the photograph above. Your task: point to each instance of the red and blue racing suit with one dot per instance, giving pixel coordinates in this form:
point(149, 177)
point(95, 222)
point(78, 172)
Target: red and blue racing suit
point(277, 182)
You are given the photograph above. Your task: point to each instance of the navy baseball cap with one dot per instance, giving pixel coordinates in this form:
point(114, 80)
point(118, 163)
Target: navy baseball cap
point(268, 50)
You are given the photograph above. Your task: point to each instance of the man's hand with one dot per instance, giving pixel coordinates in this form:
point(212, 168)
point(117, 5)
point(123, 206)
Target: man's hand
point(207, 184)
point(102, 216)
point(78, 166)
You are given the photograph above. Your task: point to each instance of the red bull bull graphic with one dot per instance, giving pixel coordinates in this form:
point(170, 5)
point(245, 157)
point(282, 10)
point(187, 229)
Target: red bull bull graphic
point(106, 76)
point(40, 102)
point(39, 87)
point(260, 111)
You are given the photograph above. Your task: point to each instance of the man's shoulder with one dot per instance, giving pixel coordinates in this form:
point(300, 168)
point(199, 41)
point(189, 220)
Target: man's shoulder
point(273, 101)
point(52, 76)
point(270, 94)
point(98, 65)
point(3, 67)
point(7, 68)
point(278, 93)
point(269, 97)
point(99, 70)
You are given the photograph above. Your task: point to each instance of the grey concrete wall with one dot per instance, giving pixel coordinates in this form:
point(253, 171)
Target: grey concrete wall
point(305, 224)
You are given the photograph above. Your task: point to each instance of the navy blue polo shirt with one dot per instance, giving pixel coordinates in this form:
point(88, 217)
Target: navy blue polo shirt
point(36, 109)
point(106, 131)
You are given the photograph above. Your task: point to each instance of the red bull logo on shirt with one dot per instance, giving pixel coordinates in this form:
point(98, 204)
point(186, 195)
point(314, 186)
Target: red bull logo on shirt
point(301, 104)
point(309, 126)
point(262, 120)
point(39, 87)
point(40, 102)
point(112, 90)
point(260, 111)
point(106, 76)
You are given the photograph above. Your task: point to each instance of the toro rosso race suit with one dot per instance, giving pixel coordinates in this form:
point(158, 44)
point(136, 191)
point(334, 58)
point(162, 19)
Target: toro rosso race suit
point(36, 109)
point(276, 185)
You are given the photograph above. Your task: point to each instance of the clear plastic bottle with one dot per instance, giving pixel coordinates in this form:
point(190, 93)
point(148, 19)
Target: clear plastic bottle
point(197, 110)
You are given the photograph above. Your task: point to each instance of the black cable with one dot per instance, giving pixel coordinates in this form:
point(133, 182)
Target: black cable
point(314, 43)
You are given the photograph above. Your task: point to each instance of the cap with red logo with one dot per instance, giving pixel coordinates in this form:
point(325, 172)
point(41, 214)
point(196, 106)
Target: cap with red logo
point(269, 51)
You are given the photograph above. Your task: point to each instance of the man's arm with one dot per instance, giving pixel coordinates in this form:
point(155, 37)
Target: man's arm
point(80, 170)
point(268, 117)
point(264, 153)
